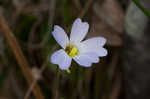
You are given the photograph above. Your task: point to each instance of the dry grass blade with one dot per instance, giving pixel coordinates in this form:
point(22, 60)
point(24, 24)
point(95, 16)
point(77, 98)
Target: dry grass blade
point(24, 65)
point(50, 22)
point(116, 87)
point(85, 9)
point(34, 82)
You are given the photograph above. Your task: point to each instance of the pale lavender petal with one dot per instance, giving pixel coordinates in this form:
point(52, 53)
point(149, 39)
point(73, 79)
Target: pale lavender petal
point(61, 58)
point(93, 57)
point(95, 41)
point(100, 51)
point(86, 59)
point(60, 36)
point(79, 30)
point(94, 45)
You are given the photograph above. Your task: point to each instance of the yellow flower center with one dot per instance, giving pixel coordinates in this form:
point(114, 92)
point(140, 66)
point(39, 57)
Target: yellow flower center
point(71, 51)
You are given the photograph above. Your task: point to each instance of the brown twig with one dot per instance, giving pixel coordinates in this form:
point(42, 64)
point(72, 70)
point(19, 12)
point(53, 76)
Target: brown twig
point(34, 82)
point(52, 7)
point(77, 4)
point(116, 87)
point(24, 65)
point(85, 9)
point(50, 22)
point(31, 35)
point(57, 83)
point(113, 65)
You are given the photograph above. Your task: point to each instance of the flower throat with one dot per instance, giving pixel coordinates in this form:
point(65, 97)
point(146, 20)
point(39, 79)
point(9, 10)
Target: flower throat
point(71, 51)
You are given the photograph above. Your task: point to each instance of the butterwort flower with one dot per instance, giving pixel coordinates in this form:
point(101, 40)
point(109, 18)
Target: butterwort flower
point(83, 52)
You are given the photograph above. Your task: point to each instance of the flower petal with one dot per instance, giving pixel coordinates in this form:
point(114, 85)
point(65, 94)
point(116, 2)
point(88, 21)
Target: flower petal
point(86, 59)
point(100, 51)
point(93, 57)
point(94, 45)
point(95, 41)
point(79, 30)
point(61, 58)
point(60, 36)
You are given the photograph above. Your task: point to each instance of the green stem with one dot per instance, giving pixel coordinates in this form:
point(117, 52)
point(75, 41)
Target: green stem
point(75, 81)
point(57, 83)
point(139, 5)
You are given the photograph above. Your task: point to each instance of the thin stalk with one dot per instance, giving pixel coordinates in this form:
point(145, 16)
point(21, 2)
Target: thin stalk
point(74, 75)
point(34, 82)
point(20, 57)
point(57, 83)
point(139, 5)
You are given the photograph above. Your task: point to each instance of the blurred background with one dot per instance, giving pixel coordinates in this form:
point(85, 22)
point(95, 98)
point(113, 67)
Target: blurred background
point(26, 45)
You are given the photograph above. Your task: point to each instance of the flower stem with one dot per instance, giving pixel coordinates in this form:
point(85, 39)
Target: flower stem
point(139, 5)
point(57, 83)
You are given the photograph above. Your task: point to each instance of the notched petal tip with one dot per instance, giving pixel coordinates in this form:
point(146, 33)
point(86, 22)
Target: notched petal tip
point(79, 30)
point(104, 52)
point(78, 20)
point(103, 40)
point(56, 27)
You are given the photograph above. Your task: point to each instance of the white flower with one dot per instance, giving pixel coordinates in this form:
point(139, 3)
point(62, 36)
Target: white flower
point(83, 52)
